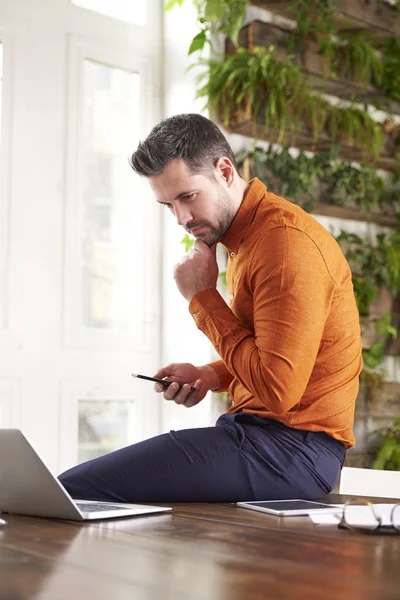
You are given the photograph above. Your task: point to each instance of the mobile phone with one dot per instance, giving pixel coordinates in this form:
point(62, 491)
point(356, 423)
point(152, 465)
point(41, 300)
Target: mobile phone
point(166, 382)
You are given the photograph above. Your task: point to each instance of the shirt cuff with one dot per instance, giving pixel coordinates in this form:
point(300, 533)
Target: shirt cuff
point(205, 302)
point(225, 376)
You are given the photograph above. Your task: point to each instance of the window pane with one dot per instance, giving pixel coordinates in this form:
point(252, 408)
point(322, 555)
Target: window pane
point(2, 232)
point(104, 426)
point(1, 79)
point(110, 133)
point(126, 10)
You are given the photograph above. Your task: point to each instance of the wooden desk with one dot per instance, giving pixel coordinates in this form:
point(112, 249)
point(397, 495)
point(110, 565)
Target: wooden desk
point(199, 551)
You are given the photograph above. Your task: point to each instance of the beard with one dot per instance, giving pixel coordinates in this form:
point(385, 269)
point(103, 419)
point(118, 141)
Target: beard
point(213, 231)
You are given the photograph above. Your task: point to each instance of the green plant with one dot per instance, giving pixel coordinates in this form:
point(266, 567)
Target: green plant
point(187, 241)
point(347, 184)
point(291, 177)
point(355, 125)
point(227, 16)
point(352, 56)
point(390, 82)
point(253, 79)
point(314, 18)
point(373, 266)
point(388, 456)
point(299, 178)
point(277, 90)
point(374, 356)
point(372, 374)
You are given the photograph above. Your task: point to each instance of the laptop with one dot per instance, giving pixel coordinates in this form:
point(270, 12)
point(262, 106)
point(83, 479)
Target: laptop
point(28, 488)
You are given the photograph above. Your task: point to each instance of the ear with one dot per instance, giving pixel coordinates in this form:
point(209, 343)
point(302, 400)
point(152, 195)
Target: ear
point(225, 171)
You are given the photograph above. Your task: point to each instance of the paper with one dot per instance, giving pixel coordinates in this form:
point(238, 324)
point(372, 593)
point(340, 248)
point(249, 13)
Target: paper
point(325, 519)
point(360, 516)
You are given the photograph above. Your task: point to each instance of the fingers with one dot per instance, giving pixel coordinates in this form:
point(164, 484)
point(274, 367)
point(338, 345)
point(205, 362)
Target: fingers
point(183, 395)
point(165, 372)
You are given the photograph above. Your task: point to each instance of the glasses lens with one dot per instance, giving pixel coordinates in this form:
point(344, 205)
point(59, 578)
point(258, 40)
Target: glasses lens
point(361, 517)
point(396, 517)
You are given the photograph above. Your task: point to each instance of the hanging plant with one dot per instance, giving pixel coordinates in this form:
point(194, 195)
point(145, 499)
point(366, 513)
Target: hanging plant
point(352, 125)
point(277, 92)
point(256, 79)
point(226, 16)
point(314, 18)
point(373, 266)
point(351, 56)
point(306, 179)
point(294, 178)
point(346, 184)
point(390, 82)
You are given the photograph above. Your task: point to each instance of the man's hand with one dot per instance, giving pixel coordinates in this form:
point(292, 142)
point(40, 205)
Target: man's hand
point(197, 271)
point(203, 379)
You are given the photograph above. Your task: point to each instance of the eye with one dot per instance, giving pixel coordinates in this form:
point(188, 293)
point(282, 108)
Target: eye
point(166, 204)
point(189, 196)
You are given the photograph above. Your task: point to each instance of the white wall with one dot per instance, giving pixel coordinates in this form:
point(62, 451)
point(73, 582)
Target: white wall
point(181, 340)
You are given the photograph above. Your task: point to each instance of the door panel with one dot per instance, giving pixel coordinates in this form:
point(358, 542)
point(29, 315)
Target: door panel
point(79, 269)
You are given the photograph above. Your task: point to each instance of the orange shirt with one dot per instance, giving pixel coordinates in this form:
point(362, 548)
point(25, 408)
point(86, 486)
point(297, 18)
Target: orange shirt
point(290, 340)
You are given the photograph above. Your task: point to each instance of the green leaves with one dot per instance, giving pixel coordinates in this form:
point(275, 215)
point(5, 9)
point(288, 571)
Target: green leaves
point(187, 242)
point(198, 42)
point(303, 177)
point(214, 10)
point(277, 93)
point(365, 292)
point(384, 326)
point(354, 125)
point(374, 356)
point(389, 453)
point(351, 56)
point(257, 79)
point(390, 82)
point(373, 265)
point(222, 278)
point(225, 16)
point(172, 3)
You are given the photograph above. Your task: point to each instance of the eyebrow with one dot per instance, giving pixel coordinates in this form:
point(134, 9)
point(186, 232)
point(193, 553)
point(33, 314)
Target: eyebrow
point(178, 197)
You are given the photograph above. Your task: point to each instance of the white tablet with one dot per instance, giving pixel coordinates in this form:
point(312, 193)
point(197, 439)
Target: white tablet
point(290, 508)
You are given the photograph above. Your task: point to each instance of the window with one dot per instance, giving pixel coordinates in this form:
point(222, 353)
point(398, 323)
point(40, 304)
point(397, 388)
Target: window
point(2, 224)
point(110, 133)
point(126, 10)
point(104, 426)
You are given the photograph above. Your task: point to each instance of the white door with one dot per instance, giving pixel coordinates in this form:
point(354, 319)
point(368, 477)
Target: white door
point(79, 232)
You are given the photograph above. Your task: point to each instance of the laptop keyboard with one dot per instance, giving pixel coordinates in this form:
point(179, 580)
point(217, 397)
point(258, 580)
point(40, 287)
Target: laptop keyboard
point(96, 506)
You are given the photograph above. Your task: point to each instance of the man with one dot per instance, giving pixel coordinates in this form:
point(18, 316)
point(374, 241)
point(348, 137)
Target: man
point(289, 341)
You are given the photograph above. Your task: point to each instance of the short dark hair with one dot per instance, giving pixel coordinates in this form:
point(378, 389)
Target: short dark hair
point(192, 137)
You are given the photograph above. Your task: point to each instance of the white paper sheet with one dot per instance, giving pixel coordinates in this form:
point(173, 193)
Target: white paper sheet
point(359, 516)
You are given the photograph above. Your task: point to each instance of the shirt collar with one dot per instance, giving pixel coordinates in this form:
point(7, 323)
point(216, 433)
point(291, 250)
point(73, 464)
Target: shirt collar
point(244, 216)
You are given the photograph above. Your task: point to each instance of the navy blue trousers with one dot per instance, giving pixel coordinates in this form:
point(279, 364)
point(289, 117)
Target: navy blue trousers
point(244, 457)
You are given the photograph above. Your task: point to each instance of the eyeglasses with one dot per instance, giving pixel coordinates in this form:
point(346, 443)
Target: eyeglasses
point(362, 516)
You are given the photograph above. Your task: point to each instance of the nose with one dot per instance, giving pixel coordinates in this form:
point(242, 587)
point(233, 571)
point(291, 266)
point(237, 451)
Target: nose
point(182, 214)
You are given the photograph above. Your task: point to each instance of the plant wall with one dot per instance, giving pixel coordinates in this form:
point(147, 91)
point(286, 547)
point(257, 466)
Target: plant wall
point(276, 85)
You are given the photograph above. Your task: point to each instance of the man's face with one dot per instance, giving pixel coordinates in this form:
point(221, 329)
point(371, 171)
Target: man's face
point(201, 204)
